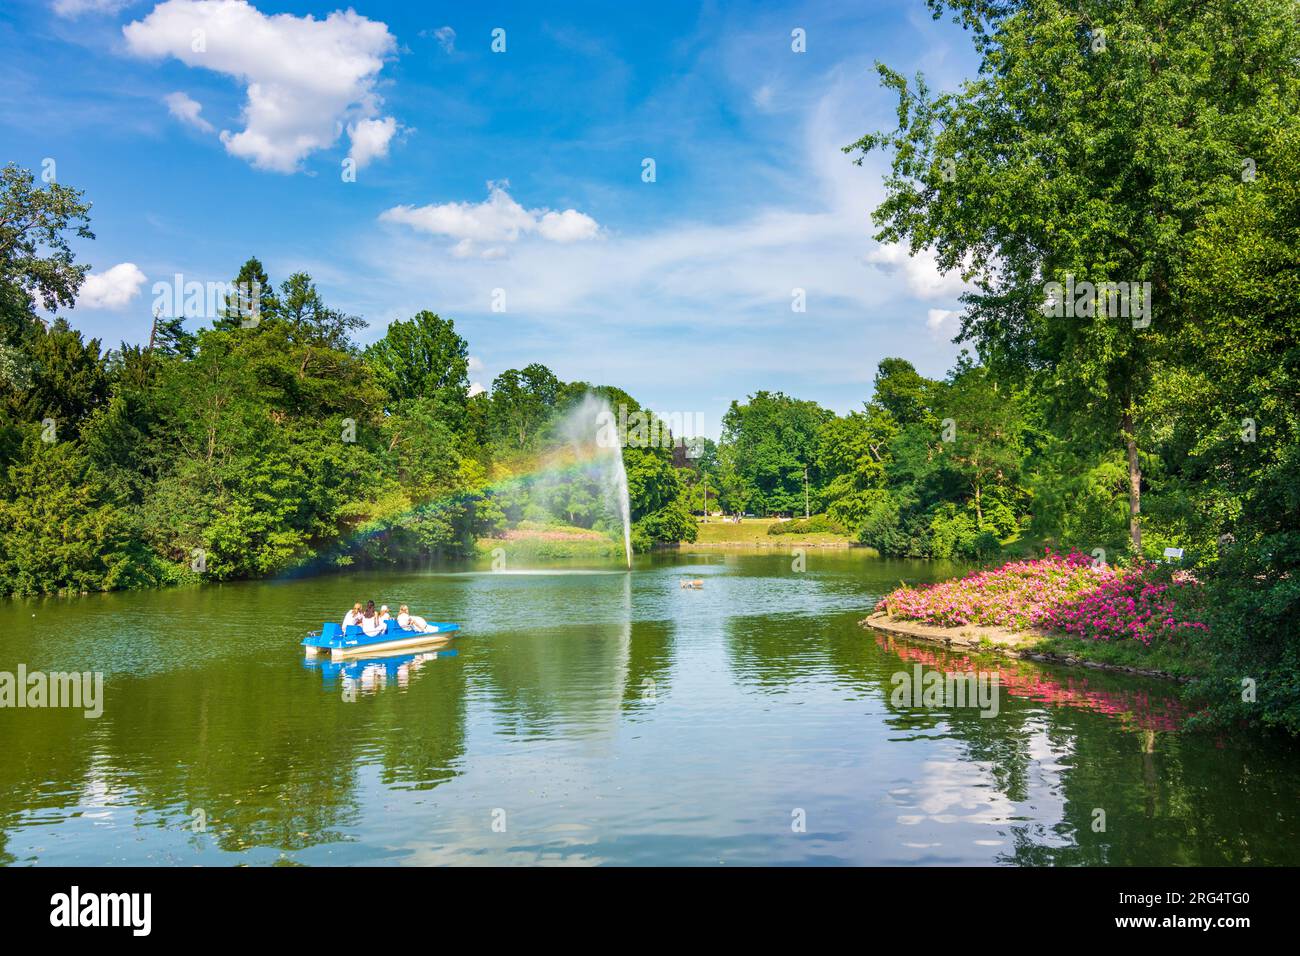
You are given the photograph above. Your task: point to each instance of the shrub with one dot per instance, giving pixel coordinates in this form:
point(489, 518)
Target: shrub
point(1062, 593)
point(1254, 638)
point(816, 524)
point(1132, 603)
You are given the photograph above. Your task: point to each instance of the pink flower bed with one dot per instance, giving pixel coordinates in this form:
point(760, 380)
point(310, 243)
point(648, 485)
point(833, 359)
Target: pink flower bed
point(1060, 593)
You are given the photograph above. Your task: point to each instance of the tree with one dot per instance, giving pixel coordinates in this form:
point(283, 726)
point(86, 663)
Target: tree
point(852, 453)
point(36, 266)
point(34, 251)
point(902, 392)
point(1240, 400)
point(734, 491)
point(425, 448)
point(1091, 148)
point(311, 325)
point(986, 447)
point(168, 337)
point(251, 282)
point(68, 379)
point(423, 357)
point(775, 440)
point(59, 527)
point(522, 404)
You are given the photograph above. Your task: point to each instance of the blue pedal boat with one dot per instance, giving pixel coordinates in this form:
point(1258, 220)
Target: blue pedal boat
point(355, 642)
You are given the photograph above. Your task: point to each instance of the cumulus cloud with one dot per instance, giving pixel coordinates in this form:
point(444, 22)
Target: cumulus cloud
point(567, 226)
point(941, 321)
point(594, 310)
point(370, 139)
point(186, 109)
point(475, 366)
point(497, 219)
point(305, 78)
point(111, 289)
point(920, 272)
point(71, 9)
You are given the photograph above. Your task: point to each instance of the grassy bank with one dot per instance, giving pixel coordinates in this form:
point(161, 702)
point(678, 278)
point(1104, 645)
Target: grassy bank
point(529, 542)
point(753, 532)
point(1184, 662)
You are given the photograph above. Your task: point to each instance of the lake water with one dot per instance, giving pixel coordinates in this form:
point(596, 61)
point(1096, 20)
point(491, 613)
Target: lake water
point(599, 716)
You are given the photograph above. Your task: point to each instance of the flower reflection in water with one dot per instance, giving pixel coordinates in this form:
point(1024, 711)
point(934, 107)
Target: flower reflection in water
point(1135, 708)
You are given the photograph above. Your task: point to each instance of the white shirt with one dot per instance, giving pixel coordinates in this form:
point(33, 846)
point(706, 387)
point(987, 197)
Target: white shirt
point(351, 619)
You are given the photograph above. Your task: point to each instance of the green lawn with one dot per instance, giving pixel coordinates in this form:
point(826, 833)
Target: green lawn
point(1186, 660)
point(530, 541)
point(753, 531)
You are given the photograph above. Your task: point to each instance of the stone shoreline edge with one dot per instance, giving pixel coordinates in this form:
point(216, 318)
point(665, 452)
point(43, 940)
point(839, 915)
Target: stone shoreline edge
point(999, 640)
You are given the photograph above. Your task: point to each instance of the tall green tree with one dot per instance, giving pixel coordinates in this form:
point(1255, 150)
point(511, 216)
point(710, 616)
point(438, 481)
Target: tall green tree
point(37, 267)
point(853, 453)
point(423, 357)
point(36, 223)
point(251, 284)
point(1092, 146)
point(60, 527)
point(68, 379)
point(523, 402)
point(903, 392)
point(987, 446)
point(775, 441)
point(312, 325)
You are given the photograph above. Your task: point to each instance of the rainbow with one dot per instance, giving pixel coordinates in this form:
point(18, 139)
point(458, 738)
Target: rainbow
point(555, 466)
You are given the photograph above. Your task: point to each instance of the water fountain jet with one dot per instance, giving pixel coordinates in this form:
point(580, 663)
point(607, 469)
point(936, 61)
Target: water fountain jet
point(592, 427)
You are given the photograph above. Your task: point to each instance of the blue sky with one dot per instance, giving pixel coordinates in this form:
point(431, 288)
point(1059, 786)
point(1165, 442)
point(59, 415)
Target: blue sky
point(519, 171)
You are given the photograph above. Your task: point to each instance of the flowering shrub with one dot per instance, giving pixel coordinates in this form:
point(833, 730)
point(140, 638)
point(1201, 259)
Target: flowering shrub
point(1057, 592)
point(1126, 604)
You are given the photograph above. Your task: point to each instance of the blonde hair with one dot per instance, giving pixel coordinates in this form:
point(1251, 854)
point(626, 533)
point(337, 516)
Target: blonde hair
point(357, 606)
point(403, 608)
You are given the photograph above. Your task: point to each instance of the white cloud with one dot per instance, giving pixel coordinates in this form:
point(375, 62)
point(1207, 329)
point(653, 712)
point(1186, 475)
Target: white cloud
point(71, 9)
point(920, 272)
point(370, 139)
point(186, 109)
point(305, 77)
point(733, 271)
point(567, 226)
point(940, 321)
point(446, 36)
point(661, 285)
point(475, 365)
point(499, 218)
point(111, 289)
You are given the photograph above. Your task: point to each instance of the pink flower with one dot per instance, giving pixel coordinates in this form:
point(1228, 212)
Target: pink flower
point(1057, 592)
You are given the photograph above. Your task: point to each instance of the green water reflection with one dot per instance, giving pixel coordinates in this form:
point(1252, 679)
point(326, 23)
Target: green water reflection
point(596, 716)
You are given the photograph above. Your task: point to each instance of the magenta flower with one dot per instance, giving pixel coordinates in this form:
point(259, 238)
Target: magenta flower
point(1065, 593)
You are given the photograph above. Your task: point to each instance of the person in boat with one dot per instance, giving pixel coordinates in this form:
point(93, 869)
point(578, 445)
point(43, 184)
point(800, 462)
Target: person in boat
point(383, 613)
point(353, 617)
point(370, 622)
point(409, 622)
